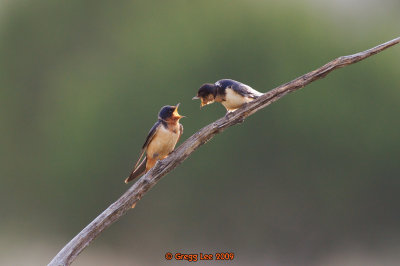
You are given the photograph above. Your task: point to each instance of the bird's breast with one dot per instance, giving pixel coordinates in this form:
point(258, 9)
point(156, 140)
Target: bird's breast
point(163, 143)
point(234, 100)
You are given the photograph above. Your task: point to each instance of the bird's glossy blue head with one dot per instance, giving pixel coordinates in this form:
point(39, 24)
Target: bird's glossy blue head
point(169, 112)
point(227, 83)
point(206, 94)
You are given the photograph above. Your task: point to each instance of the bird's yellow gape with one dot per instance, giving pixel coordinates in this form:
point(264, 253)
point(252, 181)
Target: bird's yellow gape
point(175, 114)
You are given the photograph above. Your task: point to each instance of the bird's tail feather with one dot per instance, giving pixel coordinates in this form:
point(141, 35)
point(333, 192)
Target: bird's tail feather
point(141, 169)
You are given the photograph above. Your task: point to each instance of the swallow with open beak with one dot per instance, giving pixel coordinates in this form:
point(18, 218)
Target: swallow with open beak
point(230, 93)
point(160, 141)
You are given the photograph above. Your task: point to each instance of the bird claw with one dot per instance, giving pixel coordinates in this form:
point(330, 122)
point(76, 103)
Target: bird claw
point(139, 197)
point(229, 114)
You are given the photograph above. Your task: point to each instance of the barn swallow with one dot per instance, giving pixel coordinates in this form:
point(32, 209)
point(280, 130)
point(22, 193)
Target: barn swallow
point(230, 93)
point(160, 141)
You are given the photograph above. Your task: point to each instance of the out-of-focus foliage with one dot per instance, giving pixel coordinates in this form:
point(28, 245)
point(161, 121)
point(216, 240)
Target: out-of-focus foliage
point(81, 85)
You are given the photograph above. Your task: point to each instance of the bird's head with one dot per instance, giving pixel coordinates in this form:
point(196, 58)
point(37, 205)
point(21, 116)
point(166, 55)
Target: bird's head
point(224, 84)
point(206, 94)
point(170, 113)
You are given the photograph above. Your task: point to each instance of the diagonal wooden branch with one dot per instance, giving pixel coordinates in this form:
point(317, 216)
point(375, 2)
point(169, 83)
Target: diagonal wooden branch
point(116, 210)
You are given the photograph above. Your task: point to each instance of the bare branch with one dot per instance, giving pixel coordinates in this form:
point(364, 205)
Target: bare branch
point(116, 210)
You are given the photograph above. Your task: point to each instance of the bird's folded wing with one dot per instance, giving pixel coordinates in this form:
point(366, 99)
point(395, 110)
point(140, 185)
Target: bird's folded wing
point(246, 91)
point(149, 138)
point(180, 132)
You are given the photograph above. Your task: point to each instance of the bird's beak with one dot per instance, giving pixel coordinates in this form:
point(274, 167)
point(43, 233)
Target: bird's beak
point(176, 112)
point(195, 98)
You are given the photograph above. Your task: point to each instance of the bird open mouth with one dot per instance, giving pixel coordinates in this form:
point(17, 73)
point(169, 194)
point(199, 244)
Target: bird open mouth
point(176, 114)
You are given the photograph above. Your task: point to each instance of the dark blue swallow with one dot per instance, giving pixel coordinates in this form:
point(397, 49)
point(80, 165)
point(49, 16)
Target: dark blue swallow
point(230, 93)
point(160, 141)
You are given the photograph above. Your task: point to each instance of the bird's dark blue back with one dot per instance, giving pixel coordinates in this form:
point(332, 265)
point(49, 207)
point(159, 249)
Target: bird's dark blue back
point(237, 86)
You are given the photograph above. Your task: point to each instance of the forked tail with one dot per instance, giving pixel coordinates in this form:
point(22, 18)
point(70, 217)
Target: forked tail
point(140, 170)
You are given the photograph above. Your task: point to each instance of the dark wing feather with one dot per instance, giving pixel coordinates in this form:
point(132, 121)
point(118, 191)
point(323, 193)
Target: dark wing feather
point(238, 87)
point(180, 132)
point(141, 169)
point(245, 90)
point(149, 138)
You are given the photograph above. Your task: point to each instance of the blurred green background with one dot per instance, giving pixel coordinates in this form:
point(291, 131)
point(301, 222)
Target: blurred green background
point(311, 180)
